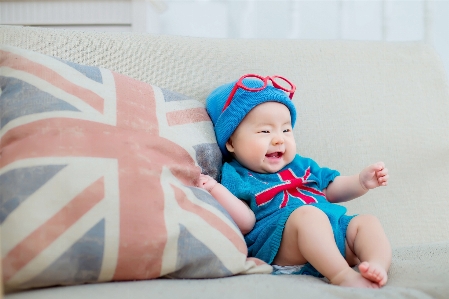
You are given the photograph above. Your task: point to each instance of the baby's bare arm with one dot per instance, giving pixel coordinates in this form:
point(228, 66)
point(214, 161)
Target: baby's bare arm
point(345, 188)
point(239, 211)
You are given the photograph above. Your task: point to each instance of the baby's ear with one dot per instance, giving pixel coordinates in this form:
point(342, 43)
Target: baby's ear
point(229, 146)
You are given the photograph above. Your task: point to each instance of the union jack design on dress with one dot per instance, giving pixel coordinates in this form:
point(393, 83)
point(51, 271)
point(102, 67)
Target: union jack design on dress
point(95, 172)
point(290, 185)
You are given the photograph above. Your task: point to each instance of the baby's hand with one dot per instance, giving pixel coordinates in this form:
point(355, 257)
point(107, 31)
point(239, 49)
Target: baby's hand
point(374, 176)
point(206, 182)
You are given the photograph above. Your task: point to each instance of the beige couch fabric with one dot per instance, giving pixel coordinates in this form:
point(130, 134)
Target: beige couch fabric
point(358, 102)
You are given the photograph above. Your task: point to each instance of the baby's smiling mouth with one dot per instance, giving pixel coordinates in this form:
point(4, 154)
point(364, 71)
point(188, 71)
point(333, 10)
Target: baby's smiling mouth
point(274, 155)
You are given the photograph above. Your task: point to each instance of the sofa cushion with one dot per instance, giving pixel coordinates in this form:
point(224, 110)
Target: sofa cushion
point(97, 177)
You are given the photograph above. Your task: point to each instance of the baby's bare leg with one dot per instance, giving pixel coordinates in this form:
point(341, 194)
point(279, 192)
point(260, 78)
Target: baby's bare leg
point(367, 240)
point(308, 237)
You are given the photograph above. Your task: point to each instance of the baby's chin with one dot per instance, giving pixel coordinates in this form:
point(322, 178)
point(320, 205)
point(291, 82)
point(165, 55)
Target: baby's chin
point(271, 168)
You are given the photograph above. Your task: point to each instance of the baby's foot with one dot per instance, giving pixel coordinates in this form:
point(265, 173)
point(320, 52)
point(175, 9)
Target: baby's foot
point(351, 278)
point(374, 272)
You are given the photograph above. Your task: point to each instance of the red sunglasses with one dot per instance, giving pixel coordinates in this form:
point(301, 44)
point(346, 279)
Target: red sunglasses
point(273, 80)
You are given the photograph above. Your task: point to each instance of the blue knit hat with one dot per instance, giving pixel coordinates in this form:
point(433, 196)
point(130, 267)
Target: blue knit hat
point(225, 122)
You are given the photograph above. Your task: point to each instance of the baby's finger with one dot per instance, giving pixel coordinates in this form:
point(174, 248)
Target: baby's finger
point(383, 171)
point(380, 166)
point(382, 174)
point(383, 180)
point(201, 181)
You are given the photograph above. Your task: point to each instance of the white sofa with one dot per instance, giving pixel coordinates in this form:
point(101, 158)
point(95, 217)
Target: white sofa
point(357, 102)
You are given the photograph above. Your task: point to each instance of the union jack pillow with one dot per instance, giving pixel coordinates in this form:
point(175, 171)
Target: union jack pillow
point(97, 176)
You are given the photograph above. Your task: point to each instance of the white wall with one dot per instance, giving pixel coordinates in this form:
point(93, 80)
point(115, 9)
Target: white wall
point(377, 20)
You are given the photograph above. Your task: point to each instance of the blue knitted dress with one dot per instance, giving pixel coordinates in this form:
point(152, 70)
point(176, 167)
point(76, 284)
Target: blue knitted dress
point(274, 196)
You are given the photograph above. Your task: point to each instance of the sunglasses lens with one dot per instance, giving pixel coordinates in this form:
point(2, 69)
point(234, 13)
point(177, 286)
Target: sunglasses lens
point(253, 83)
point(282, 83)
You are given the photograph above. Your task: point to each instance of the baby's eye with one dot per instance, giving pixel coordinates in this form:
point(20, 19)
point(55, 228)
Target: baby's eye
point(287, 130)
point(265, 131)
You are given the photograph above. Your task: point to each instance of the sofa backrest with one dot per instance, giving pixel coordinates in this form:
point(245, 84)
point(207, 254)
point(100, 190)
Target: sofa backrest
point(358, 103)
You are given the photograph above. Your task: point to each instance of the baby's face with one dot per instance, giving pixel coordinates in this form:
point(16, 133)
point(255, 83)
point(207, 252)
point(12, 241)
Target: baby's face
point(263, 142)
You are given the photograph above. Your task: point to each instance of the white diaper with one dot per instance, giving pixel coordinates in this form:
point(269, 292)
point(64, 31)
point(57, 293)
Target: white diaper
point(286, 269)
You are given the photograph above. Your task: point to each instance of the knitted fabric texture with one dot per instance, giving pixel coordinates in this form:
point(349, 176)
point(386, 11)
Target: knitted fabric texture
point(272, 211)
point(225, 122)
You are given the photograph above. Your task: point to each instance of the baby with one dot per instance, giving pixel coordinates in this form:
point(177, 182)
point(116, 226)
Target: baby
point(285, 204)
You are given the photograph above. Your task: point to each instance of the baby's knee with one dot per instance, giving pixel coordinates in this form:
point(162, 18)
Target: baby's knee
point(367, 219)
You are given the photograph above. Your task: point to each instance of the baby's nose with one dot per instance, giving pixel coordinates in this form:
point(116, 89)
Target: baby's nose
point(278, 139)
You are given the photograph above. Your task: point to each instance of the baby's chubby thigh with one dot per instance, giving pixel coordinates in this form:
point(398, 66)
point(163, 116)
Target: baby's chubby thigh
point(304, 226)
